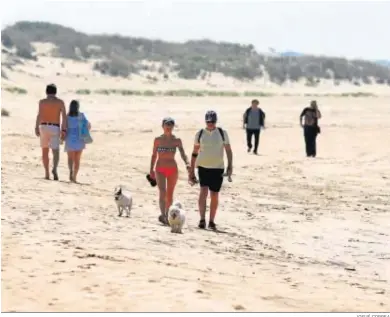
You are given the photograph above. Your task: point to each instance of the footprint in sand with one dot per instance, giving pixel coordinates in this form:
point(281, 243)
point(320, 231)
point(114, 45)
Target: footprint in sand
point(238, 307)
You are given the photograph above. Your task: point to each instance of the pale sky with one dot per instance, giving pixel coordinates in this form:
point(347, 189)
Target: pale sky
point(334, 28)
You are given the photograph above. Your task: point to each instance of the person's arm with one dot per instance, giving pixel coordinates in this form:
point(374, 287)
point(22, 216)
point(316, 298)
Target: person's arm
point(301, 117)
point(154, 155)
point(194, 155)
point(64, 121)
point(183, 154)
point(38, 119)
point(263, 114)
point(243, 120)
point(318, 114)
point(229, 153)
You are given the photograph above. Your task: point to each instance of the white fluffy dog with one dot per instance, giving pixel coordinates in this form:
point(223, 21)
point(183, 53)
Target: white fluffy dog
point(176, 217)
point(123, 202)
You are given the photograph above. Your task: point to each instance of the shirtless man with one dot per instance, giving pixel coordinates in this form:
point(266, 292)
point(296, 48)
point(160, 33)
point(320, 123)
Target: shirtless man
point(47, 127)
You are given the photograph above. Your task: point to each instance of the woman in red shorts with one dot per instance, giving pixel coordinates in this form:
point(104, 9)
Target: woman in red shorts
point(166, 172)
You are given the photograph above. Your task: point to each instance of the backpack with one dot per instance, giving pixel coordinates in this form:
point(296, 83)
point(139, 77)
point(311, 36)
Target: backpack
point(220, 132)
point(261, 117)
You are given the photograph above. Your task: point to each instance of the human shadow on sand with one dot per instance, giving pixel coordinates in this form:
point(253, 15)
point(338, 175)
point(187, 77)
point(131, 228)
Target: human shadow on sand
point(217, 231)
point(63, 181)
point(79, 183)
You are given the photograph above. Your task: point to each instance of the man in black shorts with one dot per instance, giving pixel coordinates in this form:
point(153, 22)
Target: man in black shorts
point(208, 156)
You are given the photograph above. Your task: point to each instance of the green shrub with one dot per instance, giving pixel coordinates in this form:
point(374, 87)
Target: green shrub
point(102, 91)
point(83, 92)
point(16, 90)
point(131, 92)
point(257, 94)
point(358, 94)
point(149, 93)
point(208, 93)
point(4, 112)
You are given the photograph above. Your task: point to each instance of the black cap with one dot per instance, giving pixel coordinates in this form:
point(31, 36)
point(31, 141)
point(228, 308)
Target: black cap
point(211, 116)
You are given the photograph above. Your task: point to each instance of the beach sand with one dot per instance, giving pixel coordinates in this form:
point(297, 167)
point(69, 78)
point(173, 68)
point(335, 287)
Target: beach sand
point(297, 234)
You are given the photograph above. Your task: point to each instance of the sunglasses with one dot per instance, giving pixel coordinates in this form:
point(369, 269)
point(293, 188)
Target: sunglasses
point(169, 124)
point(212, 122)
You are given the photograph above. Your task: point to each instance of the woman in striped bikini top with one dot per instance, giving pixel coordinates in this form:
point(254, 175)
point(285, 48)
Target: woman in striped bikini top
point(163, 167)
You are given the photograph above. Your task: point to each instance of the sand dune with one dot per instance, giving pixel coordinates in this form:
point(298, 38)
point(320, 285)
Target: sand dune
point(72, 75)
point(297, 234)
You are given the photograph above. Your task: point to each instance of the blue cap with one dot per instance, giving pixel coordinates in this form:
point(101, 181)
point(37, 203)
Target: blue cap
point(211, 116)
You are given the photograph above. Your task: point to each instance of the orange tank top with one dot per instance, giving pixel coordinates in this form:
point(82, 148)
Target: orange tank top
point(50, 111)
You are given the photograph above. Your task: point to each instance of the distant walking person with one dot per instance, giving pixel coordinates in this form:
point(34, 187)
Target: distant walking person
point(253, 122)
point(208, 157)
point(47, 126)
point(310, 127)
point(78, 128)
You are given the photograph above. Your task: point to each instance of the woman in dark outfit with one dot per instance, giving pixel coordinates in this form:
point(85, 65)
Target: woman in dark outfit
point(310, 127)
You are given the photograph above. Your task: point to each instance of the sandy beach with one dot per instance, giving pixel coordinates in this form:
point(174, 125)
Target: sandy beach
point(297, 234)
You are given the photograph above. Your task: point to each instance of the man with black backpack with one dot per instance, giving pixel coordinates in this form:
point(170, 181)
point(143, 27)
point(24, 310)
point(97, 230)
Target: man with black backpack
point(253, 121)
point(208, 156)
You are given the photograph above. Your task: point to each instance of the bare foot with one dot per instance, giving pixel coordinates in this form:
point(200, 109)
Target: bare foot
point(55, 175)
point(74, 177)
point(163, 219)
